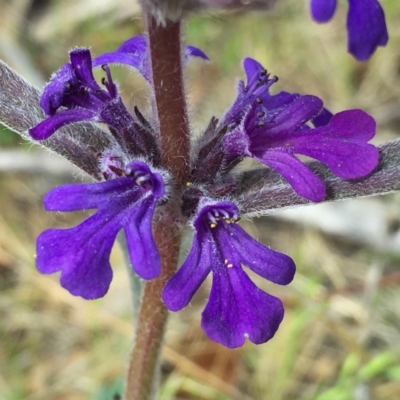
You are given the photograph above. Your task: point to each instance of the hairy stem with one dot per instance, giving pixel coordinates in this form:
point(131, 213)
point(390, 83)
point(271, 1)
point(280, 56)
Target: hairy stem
point(143, 368)
point(170, 105)
point(170, 101)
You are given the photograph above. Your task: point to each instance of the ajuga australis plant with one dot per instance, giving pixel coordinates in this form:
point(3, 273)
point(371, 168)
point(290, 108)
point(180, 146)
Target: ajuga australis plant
point(153, 179)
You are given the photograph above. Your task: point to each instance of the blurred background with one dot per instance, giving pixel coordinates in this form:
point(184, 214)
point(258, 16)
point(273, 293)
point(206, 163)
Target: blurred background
point(340, 339)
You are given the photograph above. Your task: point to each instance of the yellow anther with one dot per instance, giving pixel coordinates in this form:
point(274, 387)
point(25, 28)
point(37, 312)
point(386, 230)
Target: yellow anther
point(230, 265)
point(228, 221)
point(212, 225)
point(188, 184)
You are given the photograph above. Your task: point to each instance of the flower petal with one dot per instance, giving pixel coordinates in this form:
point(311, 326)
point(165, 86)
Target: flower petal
point(252, 69)
point(270, 264)
point(118, 57)
point(295, 114)
point(86, 196)
point(300, 177)
point(323, 10)
point(272, 129)
point(366, 28)
point(81, 61)
point(48, 126)
point(323, 118)
point(342, 144)
point(237, 309)
point(135, 45)
point(54, 92)
point(81, 253)
point(180, 289)
point(140, 241)
point(279, 100)
point(192, 52)
point(133, 52)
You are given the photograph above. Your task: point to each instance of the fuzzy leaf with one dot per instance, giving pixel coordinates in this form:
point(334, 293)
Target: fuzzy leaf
point(20, 110)
point(263, 190)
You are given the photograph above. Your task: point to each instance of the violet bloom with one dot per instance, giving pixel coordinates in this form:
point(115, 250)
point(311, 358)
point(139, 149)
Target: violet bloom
point(275, 128)
point(237, 308)
point(74, 90)
point(366, 25)
point(133, 53)
point(269, 128)
point(82, 253)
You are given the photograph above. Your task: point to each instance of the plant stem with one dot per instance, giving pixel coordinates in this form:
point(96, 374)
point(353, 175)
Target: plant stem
point(143, 368)
point(170, 105)
point(170, 98)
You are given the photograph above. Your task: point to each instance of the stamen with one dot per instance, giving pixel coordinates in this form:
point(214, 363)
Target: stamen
point(230, 265)
point(142, 179)
point(225, 214)
point(212, 218)
point(109, 84)
point(271, 81)
point(139, 181)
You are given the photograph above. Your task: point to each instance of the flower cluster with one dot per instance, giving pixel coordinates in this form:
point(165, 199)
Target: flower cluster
point(366, 26)
point(270, 128)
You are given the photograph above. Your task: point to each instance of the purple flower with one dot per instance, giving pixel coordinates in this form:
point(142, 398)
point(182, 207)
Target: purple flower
point(236, 308)
point(74, 89)
point(275, 128)
point(82, 253)
point(133, 52)
point(366, 25)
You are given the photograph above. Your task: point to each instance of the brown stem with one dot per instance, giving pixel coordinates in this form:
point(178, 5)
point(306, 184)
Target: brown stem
point(143, 368)
point(170, 101)
point(170, 104)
